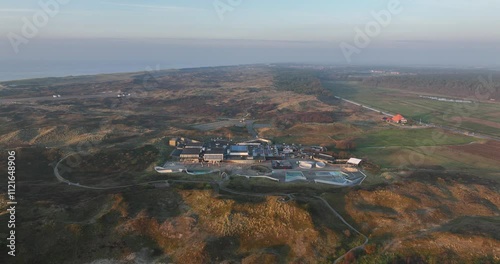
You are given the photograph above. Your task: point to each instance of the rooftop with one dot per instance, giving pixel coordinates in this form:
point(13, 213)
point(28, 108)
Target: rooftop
point(235, 148)
point(215, 151)
point(354, 161)
point(216, 144)
point(398, 117)
point(197, 146)
point(190, 151)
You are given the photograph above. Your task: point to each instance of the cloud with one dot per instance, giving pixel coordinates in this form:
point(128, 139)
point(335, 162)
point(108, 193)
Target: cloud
point(412, 41)
point(155, 7)
point(16, 10)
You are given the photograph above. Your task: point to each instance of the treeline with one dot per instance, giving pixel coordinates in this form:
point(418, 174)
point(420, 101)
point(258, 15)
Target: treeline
point(464, 85)
point(299, 81)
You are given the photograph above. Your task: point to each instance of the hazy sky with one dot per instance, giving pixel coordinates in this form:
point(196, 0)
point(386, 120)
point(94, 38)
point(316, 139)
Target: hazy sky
point(444, 32)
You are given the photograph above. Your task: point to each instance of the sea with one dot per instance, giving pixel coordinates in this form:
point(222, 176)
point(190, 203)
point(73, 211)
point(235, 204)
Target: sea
point(17, 70)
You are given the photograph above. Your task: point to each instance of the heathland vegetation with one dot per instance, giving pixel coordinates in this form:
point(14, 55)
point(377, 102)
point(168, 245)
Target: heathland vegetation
point(430, 196)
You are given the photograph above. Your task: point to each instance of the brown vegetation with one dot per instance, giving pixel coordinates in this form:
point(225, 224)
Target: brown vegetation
point(412, 212)
point(346, 144)
point(66, 224)
point(288, 120)
point(488, 150)
point(263, 225)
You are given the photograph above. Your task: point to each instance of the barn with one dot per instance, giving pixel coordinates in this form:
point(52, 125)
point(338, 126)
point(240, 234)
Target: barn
point(399, 119)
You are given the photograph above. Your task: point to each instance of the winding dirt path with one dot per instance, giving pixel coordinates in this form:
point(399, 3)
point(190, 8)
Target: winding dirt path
point(217, 186)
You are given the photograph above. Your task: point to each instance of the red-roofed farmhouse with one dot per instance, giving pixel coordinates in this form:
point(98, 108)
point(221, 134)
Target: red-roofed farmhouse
point(399, 119)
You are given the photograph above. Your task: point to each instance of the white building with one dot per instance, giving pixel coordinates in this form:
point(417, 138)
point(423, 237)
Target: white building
point(354, 161)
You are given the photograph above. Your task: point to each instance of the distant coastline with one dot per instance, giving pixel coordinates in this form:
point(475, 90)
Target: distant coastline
point(18, 70)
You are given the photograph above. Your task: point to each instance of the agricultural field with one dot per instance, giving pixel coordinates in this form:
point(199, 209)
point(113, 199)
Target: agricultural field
point(479, 117)
point(419, 137)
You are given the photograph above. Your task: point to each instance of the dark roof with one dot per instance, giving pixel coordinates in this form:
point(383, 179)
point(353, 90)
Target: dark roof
point(236, 148)
point(176, 152)
point(216, 144)
point(190, 151)
point(215, 151)
point(194, 144)
point(221, 141)
point(324, 156)
point(281, 164)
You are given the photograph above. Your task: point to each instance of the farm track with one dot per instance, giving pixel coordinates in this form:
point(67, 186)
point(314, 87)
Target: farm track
point(447, 128)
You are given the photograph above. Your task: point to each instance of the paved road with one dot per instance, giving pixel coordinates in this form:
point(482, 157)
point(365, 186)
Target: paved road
point(62, 179)
point(448, 128)
point(251, 129)
point(367, 107)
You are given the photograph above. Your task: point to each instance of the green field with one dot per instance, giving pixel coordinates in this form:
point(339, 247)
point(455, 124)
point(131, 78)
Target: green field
point(425, 148)
point(434, 157)
point(397, 148)
point(415, 108)
point(411, 138)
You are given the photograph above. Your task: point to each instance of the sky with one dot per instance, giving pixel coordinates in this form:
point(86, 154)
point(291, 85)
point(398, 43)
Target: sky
point(218, 32)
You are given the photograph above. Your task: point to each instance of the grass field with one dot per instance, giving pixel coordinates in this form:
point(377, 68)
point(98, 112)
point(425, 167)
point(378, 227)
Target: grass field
point(474, 117)
point(432, 157)
point(411, 138)
point(428, 148)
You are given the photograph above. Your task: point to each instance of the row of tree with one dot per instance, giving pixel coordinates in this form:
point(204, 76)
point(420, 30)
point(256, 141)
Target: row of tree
point(466, 85)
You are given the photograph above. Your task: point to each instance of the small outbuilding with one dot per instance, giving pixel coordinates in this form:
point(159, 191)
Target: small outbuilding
point(281, 164)
point(174, 142)
point(354, 162)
